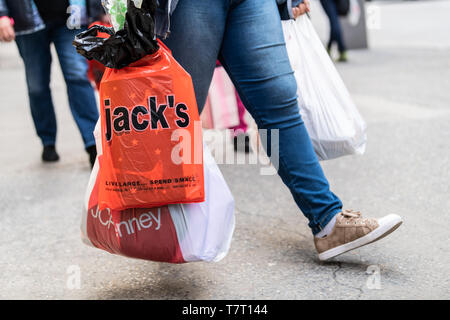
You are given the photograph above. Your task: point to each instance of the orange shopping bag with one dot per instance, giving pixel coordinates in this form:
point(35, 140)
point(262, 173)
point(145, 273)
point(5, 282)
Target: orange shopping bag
point(151, 132)
point(144, 105)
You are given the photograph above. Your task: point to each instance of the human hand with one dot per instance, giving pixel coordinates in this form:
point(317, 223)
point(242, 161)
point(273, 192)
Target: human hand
point(302, 8)
point(7, 33)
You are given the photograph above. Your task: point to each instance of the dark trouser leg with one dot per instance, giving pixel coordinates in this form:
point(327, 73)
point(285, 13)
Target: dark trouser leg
point(81, 95)
point(34, 49)
point(330, 9)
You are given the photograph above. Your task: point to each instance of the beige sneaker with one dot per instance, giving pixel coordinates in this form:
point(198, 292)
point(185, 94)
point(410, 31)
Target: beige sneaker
point(352, 231)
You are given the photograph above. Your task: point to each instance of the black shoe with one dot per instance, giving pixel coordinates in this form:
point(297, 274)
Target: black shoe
point(92, 151)
point(49, 154)
point(242, 143)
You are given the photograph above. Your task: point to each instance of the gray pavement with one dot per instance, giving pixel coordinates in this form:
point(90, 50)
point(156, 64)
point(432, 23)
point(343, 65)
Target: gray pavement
point(402, 88)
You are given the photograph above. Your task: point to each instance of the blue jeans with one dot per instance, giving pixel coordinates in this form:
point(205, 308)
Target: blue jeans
point(329, 6)
point(247, 37)
point(34, 49)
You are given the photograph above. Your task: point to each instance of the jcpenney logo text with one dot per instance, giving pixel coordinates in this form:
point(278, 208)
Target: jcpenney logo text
point(145, 220)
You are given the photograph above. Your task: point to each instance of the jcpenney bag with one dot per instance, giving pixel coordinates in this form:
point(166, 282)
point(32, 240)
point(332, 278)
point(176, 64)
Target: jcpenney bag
point(175, 233)
point(151, 131)
point(333, 122)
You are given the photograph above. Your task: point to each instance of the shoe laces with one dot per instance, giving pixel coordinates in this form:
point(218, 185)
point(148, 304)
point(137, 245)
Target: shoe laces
point(352, 217)
point(351, 214)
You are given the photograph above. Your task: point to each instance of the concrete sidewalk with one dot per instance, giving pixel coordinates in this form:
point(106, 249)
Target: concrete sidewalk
point(401, 86)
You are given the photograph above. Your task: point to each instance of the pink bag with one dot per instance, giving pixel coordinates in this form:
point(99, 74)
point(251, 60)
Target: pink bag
point(206, 116)
point(222, 103)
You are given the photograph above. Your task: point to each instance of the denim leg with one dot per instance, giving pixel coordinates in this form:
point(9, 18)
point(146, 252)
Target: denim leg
point(254, 55)
point(34, 49)
point(81, 95)
point(329, 6)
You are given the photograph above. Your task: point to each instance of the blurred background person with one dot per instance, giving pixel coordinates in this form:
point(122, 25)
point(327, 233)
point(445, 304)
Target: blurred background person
point(35, 25)
point(225, 109)
point(333, 9)
point(240, 131)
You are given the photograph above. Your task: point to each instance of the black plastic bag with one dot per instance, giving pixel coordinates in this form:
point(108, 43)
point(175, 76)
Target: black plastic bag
point(136, 40)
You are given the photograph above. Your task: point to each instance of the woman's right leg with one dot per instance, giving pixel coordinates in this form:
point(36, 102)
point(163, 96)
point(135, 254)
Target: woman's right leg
point(263, 76)
point(255, 56)
point(249, 37)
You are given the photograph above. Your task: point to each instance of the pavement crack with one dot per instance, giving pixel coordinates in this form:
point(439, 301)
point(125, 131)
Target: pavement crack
point(339, 267)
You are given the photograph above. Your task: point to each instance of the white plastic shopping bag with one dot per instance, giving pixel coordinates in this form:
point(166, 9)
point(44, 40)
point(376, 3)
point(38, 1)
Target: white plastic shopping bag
point(174, 233)
point(334, 124)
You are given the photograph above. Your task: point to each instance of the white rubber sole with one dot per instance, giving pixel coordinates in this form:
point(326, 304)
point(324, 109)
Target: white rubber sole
point(386, 225)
